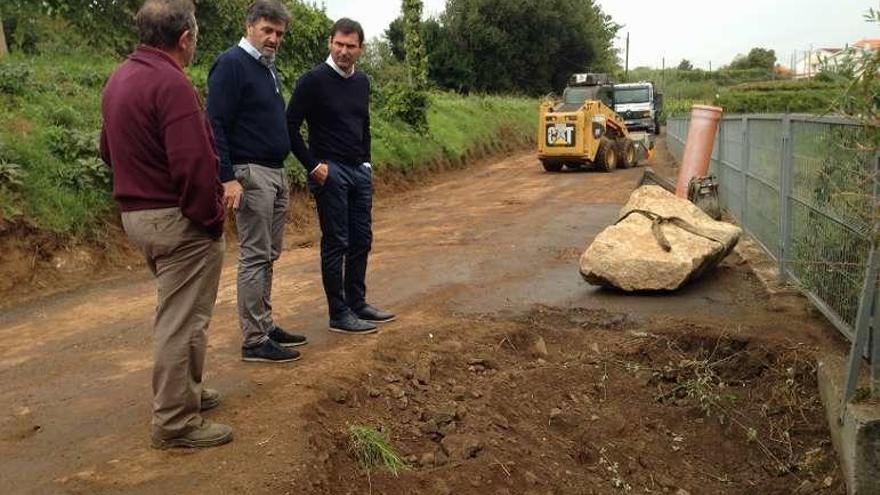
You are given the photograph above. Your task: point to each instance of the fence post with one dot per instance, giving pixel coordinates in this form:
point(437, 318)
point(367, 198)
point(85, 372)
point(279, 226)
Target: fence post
point(745, 173)
point(875, 321)
point(785, 176)
point(719, 139)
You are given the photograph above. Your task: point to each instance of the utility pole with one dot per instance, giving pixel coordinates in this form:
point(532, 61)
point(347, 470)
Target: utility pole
point(710, 66)
point(663, 71)
point(626, 68)
point(4, 50)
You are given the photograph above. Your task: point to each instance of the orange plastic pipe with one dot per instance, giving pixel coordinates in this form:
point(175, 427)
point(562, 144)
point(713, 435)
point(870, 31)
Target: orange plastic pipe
point(698, 147)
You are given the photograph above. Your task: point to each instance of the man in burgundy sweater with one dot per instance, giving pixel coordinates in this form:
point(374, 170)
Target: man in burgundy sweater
point(165, 178)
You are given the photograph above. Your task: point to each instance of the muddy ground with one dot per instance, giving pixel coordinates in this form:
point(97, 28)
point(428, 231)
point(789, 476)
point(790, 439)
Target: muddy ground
point(505, 373)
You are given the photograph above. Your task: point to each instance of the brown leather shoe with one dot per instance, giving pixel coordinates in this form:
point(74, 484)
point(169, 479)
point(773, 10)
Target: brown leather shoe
point(209, 434)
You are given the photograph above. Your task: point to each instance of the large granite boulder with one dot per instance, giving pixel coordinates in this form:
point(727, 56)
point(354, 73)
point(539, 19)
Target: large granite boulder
point(660, 242)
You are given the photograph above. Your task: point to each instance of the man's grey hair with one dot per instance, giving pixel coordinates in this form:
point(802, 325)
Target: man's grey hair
point(272, 10)
point(160, 23)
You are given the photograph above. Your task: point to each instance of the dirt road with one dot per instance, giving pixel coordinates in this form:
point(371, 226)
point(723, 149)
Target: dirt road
point(476, 252)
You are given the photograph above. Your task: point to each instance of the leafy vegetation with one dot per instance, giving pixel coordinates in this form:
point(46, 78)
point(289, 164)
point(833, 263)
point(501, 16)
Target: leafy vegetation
point(63, 51)
point(757, 58)
point(52, 179)
point(752, 90)
point(528, 46)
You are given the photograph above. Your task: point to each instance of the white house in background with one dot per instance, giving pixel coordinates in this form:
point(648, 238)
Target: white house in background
point(812, 61)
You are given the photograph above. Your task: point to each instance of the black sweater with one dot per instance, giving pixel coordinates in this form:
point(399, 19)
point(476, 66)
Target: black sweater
point(247, 113)
point(337, 111)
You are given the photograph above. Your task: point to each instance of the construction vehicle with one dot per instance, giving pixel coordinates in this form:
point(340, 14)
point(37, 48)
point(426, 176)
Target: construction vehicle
point(640, 105)
point(583, 130)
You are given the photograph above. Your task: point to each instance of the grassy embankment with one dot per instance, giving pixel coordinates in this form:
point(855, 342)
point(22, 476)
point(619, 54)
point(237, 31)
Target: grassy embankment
point(52, 181)
point(741, 91)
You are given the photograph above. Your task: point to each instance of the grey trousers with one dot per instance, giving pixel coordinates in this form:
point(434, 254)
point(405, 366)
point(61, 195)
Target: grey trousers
point(186, 262)
point(260, 219)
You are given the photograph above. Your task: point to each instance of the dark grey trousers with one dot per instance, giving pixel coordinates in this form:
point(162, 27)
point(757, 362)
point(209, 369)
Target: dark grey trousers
point(260, 220)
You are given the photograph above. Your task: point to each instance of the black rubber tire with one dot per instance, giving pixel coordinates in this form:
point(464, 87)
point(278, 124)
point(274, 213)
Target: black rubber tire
point(552, 166)
point(626, 153)
point(606, 156)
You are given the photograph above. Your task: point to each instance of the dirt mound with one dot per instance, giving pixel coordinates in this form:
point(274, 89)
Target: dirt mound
point(579, 402)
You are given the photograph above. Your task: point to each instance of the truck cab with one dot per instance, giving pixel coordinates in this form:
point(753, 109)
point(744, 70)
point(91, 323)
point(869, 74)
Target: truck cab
point(640, 105)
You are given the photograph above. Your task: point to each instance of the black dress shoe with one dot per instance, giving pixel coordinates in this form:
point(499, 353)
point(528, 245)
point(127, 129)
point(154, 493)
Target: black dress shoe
point(285, 339)
point(351, 324)
point(269, 352)
point(374, 314)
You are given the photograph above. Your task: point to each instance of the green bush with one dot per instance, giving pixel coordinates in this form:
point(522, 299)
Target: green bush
point(85, 174)
point(71, 144)
point(786, 101)
point(14, 78)
point(404, 103)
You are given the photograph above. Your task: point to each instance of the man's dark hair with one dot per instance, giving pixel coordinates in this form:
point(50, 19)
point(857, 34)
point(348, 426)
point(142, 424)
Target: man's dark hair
point(161, 22)
point(272, 10)
point(348, 26)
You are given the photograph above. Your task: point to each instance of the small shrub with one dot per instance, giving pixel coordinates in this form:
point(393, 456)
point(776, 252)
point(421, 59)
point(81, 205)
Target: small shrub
point(91, 79)
point(85, 174)
point(64, 116)
point(11, 175)
point(71, 144)
point(405, 103)
point(15, 78)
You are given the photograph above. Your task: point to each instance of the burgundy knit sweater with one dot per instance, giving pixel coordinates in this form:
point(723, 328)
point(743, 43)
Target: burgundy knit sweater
point(158, 142)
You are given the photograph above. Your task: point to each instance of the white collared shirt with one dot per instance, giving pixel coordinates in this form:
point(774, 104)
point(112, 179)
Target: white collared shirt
point(336, 68)
point(251, 50)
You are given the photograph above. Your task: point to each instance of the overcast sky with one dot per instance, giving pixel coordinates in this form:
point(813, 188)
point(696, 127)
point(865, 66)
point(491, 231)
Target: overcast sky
point(702, 31)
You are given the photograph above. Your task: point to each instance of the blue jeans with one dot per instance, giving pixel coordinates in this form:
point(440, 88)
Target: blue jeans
point(345, 204)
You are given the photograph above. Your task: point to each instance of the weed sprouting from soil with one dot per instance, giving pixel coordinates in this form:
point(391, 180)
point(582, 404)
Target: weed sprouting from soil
point(701, 379)
point(372, 450)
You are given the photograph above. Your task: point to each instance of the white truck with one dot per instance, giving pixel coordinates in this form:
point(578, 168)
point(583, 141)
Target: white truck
point(639, 104)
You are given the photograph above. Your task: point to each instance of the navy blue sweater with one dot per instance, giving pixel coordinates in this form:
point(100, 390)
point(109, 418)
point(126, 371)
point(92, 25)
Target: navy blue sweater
point(337, 111)
point(246, 112)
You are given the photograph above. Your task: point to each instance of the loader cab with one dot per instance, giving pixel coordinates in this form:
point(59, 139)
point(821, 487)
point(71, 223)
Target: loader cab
point(586, 87)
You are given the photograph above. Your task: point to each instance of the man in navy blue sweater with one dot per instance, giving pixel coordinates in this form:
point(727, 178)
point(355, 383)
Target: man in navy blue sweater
point(334, 99)
point(246, 109)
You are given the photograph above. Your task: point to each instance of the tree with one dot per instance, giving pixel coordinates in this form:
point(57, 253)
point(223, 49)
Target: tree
point(107, 25)
point(685, 64)
point(449, 64)
point(758, 58)
point(529, 46)
point(4, 50)
point(394, 35)
point(410, 102)
point(416, 60)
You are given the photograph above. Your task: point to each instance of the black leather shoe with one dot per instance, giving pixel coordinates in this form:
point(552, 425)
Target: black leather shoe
point(285, 339)
point(269, 352)
point(374, 314)
point(351, 324)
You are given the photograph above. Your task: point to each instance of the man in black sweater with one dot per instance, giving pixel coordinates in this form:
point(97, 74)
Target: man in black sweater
point(334, 100)
point(246, 108)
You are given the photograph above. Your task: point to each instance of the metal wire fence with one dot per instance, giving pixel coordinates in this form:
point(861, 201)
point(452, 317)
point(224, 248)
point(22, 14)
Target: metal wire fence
point(803, 187)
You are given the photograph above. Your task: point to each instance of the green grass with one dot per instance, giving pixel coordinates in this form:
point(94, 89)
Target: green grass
point(740, 91)
point(46, 127)
point(373, 451)
point(50, 119)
